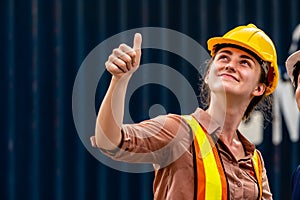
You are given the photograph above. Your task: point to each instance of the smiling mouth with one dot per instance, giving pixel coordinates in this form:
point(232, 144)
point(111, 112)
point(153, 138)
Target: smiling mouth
point(229, 76)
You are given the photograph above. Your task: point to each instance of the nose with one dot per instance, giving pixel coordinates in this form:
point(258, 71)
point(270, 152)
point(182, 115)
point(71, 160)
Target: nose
point(230, 66)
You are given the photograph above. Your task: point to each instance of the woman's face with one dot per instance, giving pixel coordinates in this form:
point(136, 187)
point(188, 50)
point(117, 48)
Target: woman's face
point(297, 93)
point(236, 72)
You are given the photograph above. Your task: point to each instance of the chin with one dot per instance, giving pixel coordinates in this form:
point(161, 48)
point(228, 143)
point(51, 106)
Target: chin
point(227, 91)
point(225, 87)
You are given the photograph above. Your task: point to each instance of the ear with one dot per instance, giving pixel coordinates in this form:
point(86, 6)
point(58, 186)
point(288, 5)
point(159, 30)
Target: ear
point(259, 89)
point(206, 76)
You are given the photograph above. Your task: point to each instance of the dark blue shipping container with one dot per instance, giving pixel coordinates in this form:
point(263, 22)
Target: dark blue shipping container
point(43, 46)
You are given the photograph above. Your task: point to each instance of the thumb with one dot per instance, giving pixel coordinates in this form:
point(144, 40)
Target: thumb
point(137, 45)
point(137, 42)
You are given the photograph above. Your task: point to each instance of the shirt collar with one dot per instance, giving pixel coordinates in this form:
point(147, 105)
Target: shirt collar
point(203, 118)
point(213, 128)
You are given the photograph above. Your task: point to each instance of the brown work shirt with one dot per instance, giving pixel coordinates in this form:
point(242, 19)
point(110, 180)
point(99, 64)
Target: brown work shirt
point(166, 141)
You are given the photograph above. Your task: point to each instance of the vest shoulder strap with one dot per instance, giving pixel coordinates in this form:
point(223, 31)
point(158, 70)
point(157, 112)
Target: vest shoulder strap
point(257, 165)
point(211, 177)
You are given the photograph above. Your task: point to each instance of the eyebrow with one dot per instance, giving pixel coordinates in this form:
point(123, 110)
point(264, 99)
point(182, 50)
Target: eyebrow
point(230, 53)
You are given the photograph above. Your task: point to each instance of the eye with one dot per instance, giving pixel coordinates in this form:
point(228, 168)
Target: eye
point(246, 63)
point(223, 57)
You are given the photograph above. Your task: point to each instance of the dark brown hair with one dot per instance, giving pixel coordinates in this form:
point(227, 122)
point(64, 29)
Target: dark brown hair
point(296, 73)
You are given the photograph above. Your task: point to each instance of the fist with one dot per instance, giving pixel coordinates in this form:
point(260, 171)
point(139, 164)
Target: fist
point(125, 60)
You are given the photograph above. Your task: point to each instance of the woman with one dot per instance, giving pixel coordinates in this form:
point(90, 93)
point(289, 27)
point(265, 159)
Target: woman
point(210, 159)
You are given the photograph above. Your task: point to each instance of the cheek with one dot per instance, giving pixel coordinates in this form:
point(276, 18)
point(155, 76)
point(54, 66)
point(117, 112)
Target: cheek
point(297, 96)
point(210, 74)
point(251, 76)
point(212, 79)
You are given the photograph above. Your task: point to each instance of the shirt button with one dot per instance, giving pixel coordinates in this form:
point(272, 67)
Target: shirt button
point(239, 184)
point(239, 174)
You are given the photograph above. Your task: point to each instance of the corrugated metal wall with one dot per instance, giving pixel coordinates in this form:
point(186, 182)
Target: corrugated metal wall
point(43, 44)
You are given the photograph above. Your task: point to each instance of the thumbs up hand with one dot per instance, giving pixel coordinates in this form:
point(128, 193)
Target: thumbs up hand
point(124, 59)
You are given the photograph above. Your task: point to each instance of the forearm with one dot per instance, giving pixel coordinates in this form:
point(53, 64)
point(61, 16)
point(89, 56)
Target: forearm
point(122, 63)
point(110, 115)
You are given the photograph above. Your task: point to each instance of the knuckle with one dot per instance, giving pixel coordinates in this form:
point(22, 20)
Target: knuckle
point(132, 53)
point(122, 46)
point(127, 59)
point(115, 51)
point(111, 57)
point(122, 64)
point(108, 65)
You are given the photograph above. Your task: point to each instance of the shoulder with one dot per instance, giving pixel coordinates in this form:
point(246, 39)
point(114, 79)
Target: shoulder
point(260, 158)
point(260, 155)
point(169, 121)
point(174, 123)
point(297, 173)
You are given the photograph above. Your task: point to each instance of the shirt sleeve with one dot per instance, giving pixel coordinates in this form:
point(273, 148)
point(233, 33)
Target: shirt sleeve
point(160, 141)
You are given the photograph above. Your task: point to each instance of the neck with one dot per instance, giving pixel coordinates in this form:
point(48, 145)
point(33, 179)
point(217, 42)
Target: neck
point(228, 112)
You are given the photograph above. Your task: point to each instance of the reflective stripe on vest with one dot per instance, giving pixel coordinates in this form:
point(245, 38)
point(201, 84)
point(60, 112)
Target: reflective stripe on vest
point(256, 161)
point(209, 165)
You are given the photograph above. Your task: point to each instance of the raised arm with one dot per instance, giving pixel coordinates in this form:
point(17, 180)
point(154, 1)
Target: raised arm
point(122, 63)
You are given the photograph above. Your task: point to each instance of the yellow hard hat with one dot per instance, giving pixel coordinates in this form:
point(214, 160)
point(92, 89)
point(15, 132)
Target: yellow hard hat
point(255, 40)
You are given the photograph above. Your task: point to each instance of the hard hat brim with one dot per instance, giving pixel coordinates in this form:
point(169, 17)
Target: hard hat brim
point(212, 42)
point(291, 62)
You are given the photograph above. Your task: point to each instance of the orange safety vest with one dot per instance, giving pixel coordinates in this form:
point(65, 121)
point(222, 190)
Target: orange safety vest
point(211, 180)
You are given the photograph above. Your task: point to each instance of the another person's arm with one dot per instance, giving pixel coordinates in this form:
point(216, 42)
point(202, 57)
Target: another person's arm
point(296, 184)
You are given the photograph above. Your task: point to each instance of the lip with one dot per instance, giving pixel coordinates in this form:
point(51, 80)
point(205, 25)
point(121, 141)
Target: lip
point(230, 76)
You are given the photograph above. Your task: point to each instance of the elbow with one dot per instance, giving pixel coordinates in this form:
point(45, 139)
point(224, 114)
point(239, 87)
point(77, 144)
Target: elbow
point(97, 139)
point(103, 141)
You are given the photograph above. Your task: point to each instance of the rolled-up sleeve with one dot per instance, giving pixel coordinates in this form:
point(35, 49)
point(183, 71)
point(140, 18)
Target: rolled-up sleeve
point(158, 140)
